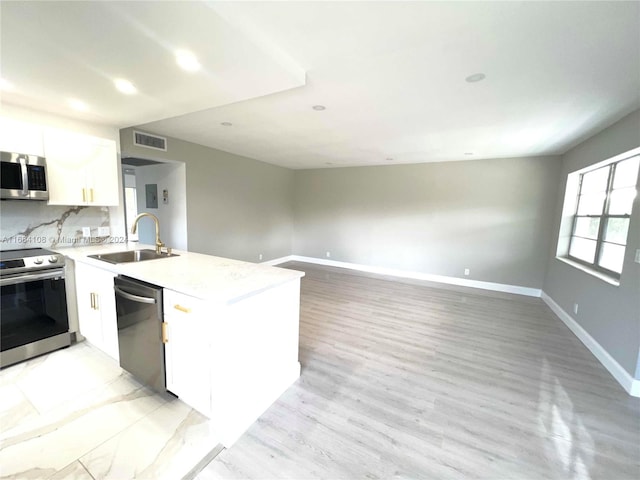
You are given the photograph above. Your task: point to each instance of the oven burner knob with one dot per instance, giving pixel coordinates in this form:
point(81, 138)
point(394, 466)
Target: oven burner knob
point(53, 259)
point(38, 261)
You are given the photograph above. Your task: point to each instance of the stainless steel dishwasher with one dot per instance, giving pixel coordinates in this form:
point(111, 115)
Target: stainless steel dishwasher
point(140, 336)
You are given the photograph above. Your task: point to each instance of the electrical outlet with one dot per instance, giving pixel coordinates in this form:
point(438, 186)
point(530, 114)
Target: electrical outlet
point(328, 254)
point(260, 257)
point(466, 272)
point(104, 231)
point(86, 232)
point(575, 308)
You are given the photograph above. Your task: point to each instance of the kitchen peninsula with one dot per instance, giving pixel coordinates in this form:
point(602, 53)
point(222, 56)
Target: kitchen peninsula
point(231, 327)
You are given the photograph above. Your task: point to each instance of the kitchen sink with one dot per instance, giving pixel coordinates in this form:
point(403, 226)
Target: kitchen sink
point(131, 256)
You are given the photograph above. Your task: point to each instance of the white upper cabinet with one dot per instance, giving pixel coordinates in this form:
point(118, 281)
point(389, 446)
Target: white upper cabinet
point(66, 165)
point(20, 137)
point(102, 177)
point(81, 169)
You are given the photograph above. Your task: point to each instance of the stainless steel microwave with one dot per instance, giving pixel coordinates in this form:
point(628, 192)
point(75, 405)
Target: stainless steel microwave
point(23, 177)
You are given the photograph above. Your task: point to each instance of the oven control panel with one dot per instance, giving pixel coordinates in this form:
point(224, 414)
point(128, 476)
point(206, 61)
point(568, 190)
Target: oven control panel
point(29, 264)
point(43, 261)
point(26, 260)
point(7, 264)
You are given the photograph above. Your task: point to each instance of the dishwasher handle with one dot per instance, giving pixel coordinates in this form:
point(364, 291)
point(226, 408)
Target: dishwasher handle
point(132, 297)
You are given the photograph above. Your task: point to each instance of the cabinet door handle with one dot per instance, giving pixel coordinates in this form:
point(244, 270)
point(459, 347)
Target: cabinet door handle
point(92, 303)
point(96, 301)
point(84, 194)
point(164, 333)
point(182, 309)
point(91, 195)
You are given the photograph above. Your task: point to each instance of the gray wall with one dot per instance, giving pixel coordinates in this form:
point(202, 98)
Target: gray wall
point(172, 216)
point(491, 216)
point(237, 207)
point(498, 217)
point(610, 314)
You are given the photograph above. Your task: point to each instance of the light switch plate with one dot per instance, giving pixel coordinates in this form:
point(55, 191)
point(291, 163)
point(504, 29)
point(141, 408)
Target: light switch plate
point(86, 232)
point(103, 231)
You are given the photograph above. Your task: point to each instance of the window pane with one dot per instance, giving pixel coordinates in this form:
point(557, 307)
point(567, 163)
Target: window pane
point(591, 204)
point(621, 201)
point(616, 230)
point(587, 227)
point(595, 181)
point(583, 249)
point(611, 257)
point(131, 204)
point(627, 173)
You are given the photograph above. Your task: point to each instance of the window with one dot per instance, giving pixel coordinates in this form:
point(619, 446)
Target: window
point(602, 214)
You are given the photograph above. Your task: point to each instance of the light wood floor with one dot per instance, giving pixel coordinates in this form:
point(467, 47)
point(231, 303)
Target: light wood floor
point(401, 380)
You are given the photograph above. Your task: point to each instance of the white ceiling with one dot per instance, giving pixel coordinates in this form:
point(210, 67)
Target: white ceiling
point(53, 51)
point(391, 74)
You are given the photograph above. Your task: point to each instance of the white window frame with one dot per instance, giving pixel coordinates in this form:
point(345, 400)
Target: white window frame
point(570, 216)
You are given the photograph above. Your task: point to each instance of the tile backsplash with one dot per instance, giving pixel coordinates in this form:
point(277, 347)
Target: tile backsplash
point(35, 224)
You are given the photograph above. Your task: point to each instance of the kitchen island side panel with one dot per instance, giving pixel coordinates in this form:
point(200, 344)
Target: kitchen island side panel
point(254, 349)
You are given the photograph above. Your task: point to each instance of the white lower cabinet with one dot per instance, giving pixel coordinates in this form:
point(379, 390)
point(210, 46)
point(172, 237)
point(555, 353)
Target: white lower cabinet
point(188, 349)
point(97, 308)
point(229, 361)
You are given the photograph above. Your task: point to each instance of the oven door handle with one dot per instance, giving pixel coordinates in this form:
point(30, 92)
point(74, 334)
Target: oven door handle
point(31, 277)
point(132, 297)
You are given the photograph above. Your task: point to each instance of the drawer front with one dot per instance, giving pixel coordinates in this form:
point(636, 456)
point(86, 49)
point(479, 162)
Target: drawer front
point(178, 304)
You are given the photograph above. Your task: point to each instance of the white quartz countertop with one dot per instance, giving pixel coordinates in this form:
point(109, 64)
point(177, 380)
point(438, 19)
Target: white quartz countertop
point(216, 279)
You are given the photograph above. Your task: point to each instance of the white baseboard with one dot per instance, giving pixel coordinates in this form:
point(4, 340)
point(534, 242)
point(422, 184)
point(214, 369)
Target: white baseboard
point(498, 287)
point(278, 261)
point(630, 384)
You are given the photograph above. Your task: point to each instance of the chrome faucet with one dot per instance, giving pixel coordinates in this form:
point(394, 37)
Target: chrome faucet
point(159, 243)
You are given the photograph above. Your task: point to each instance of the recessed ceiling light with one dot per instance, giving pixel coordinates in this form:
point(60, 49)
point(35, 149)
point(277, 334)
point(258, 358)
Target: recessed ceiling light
point(226, 124)
point(328, 163)
point(78, 105)
point(468, 153)
point(476, 77)
point(319, 107)
point(6, 85)
point(125, 86)
point(389, 159)
point(187, 61)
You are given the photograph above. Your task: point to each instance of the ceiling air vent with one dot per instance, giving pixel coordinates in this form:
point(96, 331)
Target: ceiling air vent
point(149, 141)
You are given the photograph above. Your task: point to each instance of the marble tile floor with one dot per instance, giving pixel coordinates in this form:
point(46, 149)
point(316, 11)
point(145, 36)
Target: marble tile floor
point(75, 414)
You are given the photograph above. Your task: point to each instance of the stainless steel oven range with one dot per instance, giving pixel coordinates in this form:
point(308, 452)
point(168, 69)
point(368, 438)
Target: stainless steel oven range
point(33, 304)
